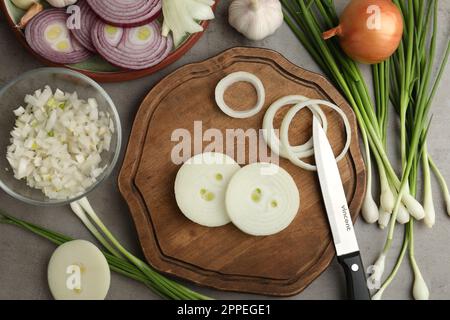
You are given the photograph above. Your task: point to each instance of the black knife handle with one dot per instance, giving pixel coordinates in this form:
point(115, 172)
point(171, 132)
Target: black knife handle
point(355, 275)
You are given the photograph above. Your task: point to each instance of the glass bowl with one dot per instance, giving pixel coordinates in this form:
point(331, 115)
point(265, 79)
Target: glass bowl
point(12, 96)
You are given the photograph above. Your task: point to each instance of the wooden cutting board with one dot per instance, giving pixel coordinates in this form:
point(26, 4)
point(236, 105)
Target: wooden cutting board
point(225, 258)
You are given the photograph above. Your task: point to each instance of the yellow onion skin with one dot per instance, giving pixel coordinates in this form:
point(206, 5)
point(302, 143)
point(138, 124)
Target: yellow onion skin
point(364, 44)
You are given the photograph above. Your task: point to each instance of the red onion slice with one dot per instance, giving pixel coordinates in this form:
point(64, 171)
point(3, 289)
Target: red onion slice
point(48, 35)
point(131, 48)
point(83, 34)
point(126, 13)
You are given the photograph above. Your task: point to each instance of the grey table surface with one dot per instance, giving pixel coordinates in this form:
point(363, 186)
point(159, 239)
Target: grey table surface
point(24, 257)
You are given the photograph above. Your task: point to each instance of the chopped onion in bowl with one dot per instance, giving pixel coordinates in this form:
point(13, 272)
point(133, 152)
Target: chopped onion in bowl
point(57, 142)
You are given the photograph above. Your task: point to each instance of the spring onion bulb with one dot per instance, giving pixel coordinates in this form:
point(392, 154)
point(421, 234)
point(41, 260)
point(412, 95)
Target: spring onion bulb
point(262, 199)
point(378, 270)
point(387, 199)
point(233, 78)
point(414, 207)
point(383, 218)
point(428, 205)
point(302, 151)
point(200, 187)
point(403, 215)
point(420, 288)
point(78, 270)
point(284, 131)
point(369, 210)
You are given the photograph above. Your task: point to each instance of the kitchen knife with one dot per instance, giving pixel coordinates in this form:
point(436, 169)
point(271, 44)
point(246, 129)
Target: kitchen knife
point(339, 217)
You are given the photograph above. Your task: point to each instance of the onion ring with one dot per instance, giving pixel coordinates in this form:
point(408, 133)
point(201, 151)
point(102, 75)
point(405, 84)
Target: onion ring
point(48, 35)
point(131, 48)
point(303, 151)
point(126, 13)
point(83, 34)
point(231, 79)
point(284, 132)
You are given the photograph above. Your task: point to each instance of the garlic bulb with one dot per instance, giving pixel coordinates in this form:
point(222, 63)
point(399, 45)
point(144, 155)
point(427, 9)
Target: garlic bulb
point(61, 3)
point(256, 19)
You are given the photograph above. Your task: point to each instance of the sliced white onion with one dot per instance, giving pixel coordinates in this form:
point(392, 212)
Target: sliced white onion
point(302, 151)
point(200, 188)
point(233, 78)
point(284, 132)
point(78, 270)
point(262, 199)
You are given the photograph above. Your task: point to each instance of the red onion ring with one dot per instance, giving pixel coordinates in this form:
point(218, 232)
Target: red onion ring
point(88, 17)
point(126, 13)
point(35, 36)
point(125, 51)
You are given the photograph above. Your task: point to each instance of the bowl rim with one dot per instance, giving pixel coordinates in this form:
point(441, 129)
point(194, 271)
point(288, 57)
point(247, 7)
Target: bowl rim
point(117, 130)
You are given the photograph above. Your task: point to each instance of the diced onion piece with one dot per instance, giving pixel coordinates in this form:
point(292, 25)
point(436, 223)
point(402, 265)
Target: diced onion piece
point(200, 188)
point(78, 270)
point(262, 199)
point(302, 151)
point(284, 132)
point(233, 78)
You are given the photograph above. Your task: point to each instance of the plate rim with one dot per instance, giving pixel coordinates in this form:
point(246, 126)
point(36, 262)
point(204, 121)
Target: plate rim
point(167, 264)
point(115, 76)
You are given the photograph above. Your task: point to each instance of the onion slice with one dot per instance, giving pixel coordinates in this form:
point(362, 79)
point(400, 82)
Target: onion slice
point(126, 13)
point(262, 199)
point(48, 35)
point(302, 151)
point(78, 270)
point(131, 48)
point(200, 187)
point(233, 78)
point(87, 19)
point(284, 132)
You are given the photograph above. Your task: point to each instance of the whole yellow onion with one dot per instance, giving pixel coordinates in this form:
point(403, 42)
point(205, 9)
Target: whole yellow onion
point(369, 31)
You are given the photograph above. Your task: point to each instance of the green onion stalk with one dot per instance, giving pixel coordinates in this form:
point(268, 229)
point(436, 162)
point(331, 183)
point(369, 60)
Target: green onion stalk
point(119, 259)
point(412, 96)
point(406, 81)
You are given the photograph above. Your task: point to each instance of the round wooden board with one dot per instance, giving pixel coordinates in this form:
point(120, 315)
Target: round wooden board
point(225, 258)
point(96, 62)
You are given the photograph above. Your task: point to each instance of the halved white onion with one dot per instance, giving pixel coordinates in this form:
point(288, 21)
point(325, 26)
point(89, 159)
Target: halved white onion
point(262, 199)
point(200, 188)
point(302, 151)
point(78, 270)
point(233, 78)
point(284, 132)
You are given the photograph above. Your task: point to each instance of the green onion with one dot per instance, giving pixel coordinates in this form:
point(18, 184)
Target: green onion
point(405, 80)
point(136, 269)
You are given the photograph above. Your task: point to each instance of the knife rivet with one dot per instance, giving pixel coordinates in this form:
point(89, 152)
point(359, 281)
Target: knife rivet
point(355, 267)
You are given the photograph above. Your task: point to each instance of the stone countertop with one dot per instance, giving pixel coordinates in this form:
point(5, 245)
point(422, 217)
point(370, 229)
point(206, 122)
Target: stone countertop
point(24, 257)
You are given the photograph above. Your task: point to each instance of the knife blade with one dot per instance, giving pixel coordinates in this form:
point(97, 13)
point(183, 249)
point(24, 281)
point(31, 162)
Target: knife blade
point(339, 216)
